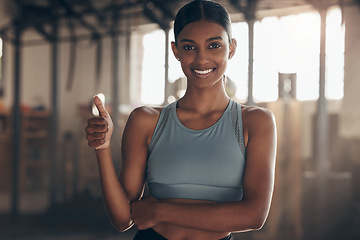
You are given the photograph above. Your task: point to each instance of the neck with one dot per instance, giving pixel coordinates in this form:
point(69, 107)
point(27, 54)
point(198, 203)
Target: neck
point(205, 100)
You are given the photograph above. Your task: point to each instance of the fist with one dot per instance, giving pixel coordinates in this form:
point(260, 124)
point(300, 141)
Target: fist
point(143, 212)
point(99, 129)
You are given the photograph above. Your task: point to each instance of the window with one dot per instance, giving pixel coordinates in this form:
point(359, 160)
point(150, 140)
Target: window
point(335, 54)
point(175, 71)
point(237, 69)
point(153, 71)
point(289, 44)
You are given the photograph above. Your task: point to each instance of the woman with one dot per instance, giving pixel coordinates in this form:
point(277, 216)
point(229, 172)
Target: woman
point(208, 162)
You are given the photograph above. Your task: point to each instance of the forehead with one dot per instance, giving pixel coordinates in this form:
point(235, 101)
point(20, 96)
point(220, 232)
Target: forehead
point(202, 30)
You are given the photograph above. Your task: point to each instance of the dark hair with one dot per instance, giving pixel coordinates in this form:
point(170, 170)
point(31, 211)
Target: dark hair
point(202, 10)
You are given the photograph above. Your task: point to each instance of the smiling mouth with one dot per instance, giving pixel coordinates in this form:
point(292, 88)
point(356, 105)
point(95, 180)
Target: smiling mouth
point(203, 72)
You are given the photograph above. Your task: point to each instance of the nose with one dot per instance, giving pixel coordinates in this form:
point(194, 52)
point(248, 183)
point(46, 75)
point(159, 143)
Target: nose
point(202, 57)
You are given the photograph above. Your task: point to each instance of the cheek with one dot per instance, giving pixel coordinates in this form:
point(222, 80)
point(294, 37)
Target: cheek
point(222, 56)
point(186, 61)
point(187, 56)
point(185, 68)
point(223, 60)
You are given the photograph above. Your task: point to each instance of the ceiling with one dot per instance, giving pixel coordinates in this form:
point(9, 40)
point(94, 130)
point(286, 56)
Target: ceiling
point(78, 19)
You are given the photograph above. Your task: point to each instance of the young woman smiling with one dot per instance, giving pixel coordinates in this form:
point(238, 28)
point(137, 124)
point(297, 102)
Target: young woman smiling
point(208, 162)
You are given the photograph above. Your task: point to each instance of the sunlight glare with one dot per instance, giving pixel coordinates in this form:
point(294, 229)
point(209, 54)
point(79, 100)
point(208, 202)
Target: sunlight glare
point(289, 44)
point(153, 72)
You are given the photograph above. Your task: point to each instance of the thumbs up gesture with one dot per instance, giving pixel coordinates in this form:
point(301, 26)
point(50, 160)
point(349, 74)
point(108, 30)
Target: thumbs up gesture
point(99, 128)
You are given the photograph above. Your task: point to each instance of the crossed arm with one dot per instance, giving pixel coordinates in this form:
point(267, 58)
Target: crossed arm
point(248, 214)
point(122, 196)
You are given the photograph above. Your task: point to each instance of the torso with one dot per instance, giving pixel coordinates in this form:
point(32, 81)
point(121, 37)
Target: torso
point(192, 121)
point(174, 232)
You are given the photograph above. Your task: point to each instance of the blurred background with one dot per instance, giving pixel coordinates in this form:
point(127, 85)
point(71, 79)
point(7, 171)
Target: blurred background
point(299, 58)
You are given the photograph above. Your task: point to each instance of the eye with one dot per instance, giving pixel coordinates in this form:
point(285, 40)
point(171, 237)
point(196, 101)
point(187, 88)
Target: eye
point(188, 47)
point(214, 45)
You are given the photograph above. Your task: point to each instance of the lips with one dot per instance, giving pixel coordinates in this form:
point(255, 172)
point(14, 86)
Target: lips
point(203, 72)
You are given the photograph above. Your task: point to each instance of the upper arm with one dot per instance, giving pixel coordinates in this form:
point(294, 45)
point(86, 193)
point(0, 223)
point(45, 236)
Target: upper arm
point(134, 149)
point(260, 160)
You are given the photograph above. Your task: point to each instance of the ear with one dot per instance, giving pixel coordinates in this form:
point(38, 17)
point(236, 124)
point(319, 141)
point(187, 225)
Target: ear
point(175, 50)
point(232, 47)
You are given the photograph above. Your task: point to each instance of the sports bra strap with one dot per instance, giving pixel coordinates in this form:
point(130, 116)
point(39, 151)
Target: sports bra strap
point(236, 118)
point(164, 116)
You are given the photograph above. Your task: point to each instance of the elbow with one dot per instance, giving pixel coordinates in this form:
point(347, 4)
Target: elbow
point(257, 222)
point(122, 226)
point(120, 221)
point(256, 216)
point(254, 222)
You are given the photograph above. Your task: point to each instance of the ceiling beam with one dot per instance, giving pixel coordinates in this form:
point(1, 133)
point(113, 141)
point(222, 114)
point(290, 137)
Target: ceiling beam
point(79, 17)
point(39, 28)
point(248, 9)
point(100, 16)
point(164, 8)
point(236, 4)
point(320, 4)
point(149, 13)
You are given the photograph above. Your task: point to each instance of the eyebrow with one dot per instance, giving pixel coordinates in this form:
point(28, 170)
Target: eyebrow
point(208, 40)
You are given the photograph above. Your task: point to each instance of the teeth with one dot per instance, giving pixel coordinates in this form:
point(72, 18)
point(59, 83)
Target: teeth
point(203, 71)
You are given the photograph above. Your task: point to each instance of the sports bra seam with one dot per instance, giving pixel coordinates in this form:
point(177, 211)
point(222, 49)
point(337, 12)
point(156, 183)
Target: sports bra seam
point(241, 128)
point(241, 125)
point(195, 184)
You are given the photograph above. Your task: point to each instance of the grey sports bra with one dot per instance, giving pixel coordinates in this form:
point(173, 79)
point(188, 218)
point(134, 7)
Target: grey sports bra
point(205, 164)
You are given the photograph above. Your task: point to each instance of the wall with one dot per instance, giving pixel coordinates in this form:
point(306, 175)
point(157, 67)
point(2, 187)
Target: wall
point(350, 114)
point(74, 104)
point(36, 77)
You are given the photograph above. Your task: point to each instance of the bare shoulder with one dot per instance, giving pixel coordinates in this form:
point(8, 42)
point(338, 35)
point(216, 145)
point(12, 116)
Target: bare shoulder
point(144, 116)
point(254, 113)
point(142, 122)
point(145, 112)
point(257, 118)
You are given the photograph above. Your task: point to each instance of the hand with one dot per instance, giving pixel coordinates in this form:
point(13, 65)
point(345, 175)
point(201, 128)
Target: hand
point(143, 212)
point(99, 129)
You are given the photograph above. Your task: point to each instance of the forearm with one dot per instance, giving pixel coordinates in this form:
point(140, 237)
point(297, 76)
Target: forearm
point(235, 216)
point(115, 198)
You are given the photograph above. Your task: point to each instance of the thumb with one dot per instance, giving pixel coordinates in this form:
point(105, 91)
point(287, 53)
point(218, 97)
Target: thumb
point(100, 107)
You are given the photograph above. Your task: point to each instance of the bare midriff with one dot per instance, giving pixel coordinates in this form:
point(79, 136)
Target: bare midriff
point(175, 232)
